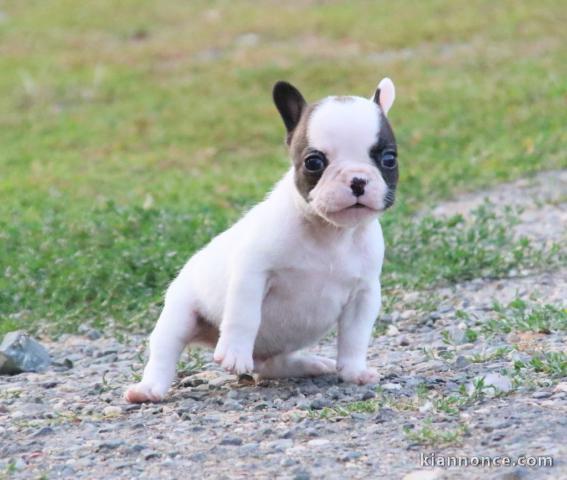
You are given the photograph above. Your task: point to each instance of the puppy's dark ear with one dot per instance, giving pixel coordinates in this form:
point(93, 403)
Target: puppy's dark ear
point(290, 104)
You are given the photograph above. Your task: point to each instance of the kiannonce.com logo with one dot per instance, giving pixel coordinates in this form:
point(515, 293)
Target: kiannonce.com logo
point(447, 461)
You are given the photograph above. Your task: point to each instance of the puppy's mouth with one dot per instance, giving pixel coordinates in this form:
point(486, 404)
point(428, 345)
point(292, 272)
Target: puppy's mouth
point(359, 205)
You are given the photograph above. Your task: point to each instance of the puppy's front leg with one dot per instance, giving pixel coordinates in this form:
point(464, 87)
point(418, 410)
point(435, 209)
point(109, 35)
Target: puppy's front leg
point(355, 330)
point(241, 320)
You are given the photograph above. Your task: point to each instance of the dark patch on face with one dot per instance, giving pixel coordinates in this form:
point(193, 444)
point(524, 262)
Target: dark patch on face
point(295, 114)
point(305, 181)
point(382, 153)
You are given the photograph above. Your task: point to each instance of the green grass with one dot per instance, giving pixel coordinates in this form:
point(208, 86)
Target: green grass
point(429, 435)
point(439, 250)
point(551, 364)
point(522, 316)
point(132, 132)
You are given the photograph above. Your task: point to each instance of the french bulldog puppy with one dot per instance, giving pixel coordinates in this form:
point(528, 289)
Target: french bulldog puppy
point(303, 261)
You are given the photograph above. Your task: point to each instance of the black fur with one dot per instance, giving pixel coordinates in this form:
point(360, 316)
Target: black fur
point(386, 142)
point(290, 103)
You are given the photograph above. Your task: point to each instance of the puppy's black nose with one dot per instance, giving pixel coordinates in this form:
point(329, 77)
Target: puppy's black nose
point(357, 186)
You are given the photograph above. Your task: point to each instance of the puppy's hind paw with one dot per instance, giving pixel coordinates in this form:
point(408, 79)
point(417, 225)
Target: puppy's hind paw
point(360, 377)
point(143, 392)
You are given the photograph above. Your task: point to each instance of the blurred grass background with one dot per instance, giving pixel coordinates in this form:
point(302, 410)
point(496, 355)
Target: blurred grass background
point(132, 131)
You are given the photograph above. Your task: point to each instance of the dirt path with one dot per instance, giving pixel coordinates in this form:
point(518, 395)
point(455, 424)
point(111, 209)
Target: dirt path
point(72, 422)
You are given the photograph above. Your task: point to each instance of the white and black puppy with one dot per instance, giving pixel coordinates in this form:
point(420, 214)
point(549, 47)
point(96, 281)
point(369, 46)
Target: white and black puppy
point(306, 259)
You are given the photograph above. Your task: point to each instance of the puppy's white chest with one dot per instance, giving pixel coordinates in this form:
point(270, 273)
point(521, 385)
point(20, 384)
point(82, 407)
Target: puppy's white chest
point(305, 299)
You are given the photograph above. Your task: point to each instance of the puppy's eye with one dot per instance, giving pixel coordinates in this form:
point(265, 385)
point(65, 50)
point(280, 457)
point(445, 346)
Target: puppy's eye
point(388, 159)
point(315, 162)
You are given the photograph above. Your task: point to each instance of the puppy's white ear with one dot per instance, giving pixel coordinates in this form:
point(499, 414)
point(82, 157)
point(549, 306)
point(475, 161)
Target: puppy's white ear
point(290, 104)
point(385, 94)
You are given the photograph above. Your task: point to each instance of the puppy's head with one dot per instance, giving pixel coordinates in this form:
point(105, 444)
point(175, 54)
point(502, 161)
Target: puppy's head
point(343, 150)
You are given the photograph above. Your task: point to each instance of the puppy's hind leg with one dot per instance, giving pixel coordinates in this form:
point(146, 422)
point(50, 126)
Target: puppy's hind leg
point(294, 365)
point(176, 326)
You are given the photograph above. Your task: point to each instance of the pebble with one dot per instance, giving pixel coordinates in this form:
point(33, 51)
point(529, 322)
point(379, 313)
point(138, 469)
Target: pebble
point(392, 331)
point(542, 394)
point(350, 456)
point(112, 411)
point(43, 431)
point(320, 403)
point(20, 352)
point(391, 386)
point(280, 445)
point(368, 395)
point(318, 442)
point(110, 445)
point(231, 441)
point(151, 455)
point(497, 381)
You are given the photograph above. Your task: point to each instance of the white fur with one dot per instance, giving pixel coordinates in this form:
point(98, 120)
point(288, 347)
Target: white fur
point(284, 275)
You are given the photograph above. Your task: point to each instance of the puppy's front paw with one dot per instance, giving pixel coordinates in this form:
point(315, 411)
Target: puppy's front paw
point(234, 359)
point(361, 377)
point(144, 392)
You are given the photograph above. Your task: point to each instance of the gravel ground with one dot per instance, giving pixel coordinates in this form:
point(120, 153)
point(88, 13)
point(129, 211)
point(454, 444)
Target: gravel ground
point(71, 421)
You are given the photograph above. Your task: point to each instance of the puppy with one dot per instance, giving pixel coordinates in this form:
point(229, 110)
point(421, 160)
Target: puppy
point(303, 261)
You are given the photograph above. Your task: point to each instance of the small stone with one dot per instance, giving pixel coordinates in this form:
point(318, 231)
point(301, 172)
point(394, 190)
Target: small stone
point(249, 448)
point(542, 394)
point(359, 416)
point(392, 331)
point(320, 403)
point(495, 381)
point(231, 441)
point(19, 352)
point(385, 415)
point(403, 341)
point(318, 442)
point(280, 445)
point(233, 405)
point(137, 448)
point(349, 456)
point(151, 455)
point(90, 333)
point(112, 411)
point(110, 445)
point(302, 475)
point(368, 395)
point(391, 386)
point(43, 431)
point(561, 387)
point(311, 432)
point(132, 407)
point(461, 362)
